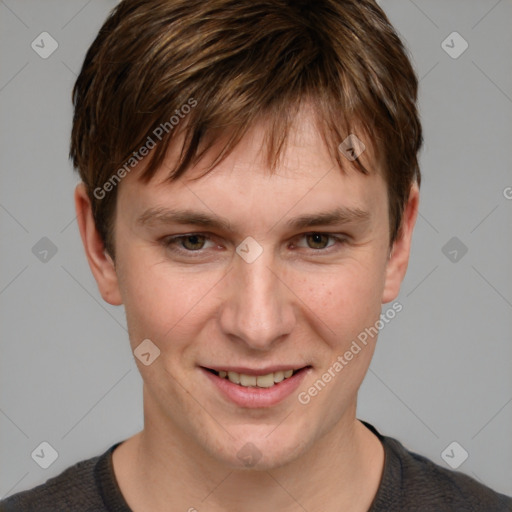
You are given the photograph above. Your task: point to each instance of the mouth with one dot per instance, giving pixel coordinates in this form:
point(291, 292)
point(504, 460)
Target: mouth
point(256, 388)
point(246, 380)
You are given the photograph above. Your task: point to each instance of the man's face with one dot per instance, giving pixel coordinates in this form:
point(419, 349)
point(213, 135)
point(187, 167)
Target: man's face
point(291, 298)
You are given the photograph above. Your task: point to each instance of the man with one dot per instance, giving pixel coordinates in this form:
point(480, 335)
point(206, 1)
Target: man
point(250, 189)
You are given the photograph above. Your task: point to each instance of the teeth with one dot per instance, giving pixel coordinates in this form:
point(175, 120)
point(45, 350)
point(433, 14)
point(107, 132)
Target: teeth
point(261, 381)
point(278, 376)
point(265, 381)
point(234, 377)
point(247, 380)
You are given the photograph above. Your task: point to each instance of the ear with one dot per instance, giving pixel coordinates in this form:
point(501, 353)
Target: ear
point(101, 264)
point(399, 256)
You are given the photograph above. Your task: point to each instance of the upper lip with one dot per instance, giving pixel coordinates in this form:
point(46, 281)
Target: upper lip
point(256, 371)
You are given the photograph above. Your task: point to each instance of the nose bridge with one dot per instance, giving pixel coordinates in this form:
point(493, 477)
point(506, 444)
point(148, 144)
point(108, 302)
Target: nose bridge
point(258, 311)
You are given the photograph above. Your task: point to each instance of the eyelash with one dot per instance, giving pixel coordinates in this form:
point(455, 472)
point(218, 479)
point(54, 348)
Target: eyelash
point(171, 243)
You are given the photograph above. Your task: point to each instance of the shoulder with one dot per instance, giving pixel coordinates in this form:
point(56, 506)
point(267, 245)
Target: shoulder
point(74, 489)
point(427, 481)
point(414, 482)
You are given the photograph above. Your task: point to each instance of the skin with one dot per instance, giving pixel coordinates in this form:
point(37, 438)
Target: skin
point(301, 302)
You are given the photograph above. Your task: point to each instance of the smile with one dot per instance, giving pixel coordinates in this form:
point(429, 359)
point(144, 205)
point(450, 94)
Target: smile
point(261, 381)
point(250, 388)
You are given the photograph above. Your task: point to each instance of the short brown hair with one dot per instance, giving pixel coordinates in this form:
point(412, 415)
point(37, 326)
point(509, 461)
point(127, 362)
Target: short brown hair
point(235, 61)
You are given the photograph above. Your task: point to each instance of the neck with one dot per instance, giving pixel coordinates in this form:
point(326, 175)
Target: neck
point(162, 469)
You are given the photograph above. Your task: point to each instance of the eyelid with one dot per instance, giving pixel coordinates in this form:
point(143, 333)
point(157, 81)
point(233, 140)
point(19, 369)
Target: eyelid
point(171, 242)
point(338, 237)
point(174, 239)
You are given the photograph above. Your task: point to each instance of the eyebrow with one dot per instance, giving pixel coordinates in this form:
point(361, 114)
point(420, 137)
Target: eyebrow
point(164, 216)
point(340, 215)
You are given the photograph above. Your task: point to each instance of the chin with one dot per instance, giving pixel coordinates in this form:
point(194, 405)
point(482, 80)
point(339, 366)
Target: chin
point(262, 450)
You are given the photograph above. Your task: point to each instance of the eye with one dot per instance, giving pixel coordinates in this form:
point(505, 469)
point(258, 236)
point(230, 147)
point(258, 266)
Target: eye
point(320, 241)
point(193, 242)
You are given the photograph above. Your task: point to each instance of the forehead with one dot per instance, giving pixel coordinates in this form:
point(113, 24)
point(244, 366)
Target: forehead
point(242, 185)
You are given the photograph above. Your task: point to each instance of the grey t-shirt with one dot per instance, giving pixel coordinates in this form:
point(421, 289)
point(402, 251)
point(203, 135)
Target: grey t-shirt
point(410, 482)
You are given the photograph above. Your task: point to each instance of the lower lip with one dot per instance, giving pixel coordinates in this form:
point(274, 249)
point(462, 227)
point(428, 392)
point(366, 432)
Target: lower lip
point(254, 397)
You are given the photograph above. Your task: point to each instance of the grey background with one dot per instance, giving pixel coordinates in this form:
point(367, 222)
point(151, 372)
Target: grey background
point(443, 367)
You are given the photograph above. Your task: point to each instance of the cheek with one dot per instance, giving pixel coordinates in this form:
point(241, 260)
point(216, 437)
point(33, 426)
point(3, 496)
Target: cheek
point(347, 299)
point(348, 302)
point(163, 303)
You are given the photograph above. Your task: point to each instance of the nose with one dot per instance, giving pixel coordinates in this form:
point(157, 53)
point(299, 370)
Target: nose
point(258, 306)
